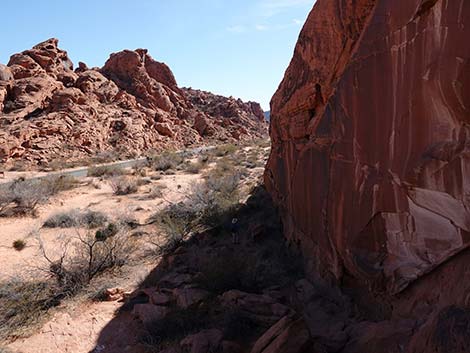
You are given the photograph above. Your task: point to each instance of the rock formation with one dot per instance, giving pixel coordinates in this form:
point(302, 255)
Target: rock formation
point(370, 166)
point(49, 111)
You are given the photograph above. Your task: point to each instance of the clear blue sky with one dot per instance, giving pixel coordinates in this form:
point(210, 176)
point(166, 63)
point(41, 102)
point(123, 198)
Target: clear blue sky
point(237, 47)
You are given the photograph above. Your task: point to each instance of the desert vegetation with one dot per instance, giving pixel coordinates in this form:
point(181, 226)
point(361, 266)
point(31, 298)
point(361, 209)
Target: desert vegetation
point(22, 197)
point(75, 218)
point(179, 195)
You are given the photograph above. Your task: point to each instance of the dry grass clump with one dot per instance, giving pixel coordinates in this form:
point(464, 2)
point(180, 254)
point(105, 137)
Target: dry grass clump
point(222, 167)
point(105, 170)
point(254, 159)
point(262, 143)
point(124, 185)
point(22, 197)
point(224, 150)
point(105, 157)
point(19, 166)
point(165, 161)
point(23, 304)
point(195, 167)
point(156, 192)
point(75, 218)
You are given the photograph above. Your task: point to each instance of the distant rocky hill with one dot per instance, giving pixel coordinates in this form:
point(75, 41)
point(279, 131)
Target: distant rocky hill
point(50, 111)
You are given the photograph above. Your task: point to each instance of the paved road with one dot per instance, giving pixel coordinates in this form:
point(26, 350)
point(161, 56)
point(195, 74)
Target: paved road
point(83, 172)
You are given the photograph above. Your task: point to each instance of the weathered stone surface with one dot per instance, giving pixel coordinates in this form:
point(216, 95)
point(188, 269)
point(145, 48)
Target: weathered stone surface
point(186, 297)
point(371, 138)
point(129, 106)
point(5, 73)
point(370, 167)
point(259, 308)
point(148, 313)
point(286, 336)
point(202, 342)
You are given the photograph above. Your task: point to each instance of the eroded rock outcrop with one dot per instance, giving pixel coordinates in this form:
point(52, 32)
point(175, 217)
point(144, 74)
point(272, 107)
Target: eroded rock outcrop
point(370, 162)
point(50, 111)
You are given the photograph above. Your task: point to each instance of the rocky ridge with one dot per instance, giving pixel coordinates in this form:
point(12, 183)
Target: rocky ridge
point(50, 111)
point(370, 169)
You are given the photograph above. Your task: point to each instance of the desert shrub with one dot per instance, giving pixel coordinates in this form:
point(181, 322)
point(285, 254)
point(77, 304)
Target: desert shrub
point(105, 170)
point(105, 157)
point(22, 197)
point(109, 231)
point(209, 204)
point(60, 183)
point(23, 304)
point(156, 191)
point(253, 160)
point(19, 244)
point(124, 185)
point(92, 219)
point(224, 150)
point(195, 167)
point(166, 161)
point(27, 195)
point(19, 166)
point(205, 158)
point(92, 254)
point(223, 167)
point(176, 221)
point(216, 198)
point(62, 220)
point(74, 218)
point(262, 143)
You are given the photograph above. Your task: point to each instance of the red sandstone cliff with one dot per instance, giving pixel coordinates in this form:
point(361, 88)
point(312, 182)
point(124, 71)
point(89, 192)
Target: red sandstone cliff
point(370, 163)
point(49, 111)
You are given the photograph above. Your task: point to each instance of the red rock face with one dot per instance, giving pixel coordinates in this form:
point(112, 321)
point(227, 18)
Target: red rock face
point(371, 145)
point(132, 104)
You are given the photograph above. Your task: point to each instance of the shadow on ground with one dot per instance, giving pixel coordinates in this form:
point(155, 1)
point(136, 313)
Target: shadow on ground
point(211, 294)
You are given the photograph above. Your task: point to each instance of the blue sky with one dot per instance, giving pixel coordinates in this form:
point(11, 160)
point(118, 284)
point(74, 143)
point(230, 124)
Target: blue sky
point(239, 47)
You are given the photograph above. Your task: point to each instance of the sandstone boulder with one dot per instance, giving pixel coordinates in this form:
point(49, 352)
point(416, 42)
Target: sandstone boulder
point(260, 308)
point(289, 335)
point(202, 342)
point(5, 73)
point(148, 313)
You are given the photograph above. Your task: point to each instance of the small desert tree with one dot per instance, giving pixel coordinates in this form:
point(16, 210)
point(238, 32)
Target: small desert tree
point(87, 255)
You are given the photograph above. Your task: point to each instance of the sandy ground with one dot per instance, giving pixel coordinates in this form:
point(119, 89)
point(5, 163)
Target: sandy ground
point(76, 326)
point(86, 197)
